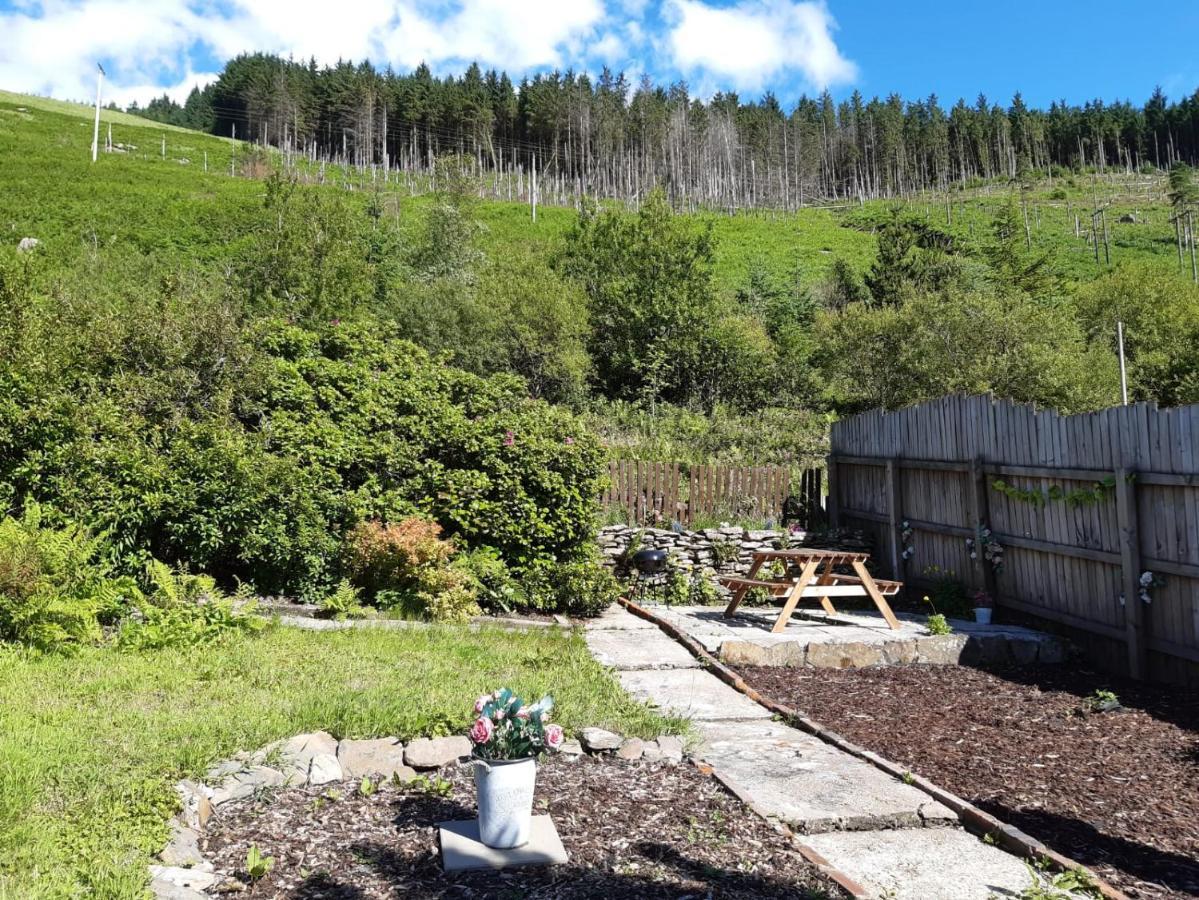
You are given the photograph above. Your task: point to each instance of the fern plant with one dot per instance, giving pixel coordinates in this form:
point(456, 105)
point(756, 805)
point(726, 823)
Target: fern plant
point(55, 594)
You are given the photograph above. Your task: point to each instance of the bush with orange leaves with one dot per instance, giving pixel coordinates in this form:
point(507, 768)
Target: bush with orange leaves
point(405, 565)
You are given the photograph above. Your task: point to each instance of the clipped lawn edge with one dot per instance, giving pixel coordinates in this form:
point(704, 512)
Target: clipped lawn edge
point(981, 823)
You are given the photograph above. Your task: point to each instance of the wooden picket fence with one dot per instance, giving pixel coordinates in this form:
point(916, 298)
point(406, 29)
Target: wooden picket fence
point(1083, 506)
point(665, 492)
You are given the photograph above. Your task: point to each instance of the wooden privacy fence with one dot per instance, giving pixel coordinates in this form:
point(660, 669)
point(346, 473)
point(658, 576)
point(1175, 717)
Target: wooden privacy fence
point(665, 492)
point(1083, 506)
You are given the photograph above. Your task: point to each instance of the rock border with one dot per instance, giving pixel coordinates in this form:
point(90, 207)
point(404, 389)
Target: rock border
point(976, 820)
point(317, 758)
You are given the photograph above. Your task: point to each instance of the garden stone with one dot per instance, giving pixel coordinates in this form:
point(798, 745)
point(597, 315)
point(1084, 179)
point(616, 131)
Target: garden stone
point(900, 653)
point(196, 802)
point(650, 752)
point(27, 244)
point(183, 849)
point(199, 878)
point(631, 749)
point(596, 739)
point(165, 890)
point(940, 649)
point(1024, 653)
point(1051, 652)
point(221, 769)
point(433, 753)
point(571, 747)
point(298, 753)
point(382, 757)
point(670, 747)
point(848, 655)
point(248, 782)
point(324, 769)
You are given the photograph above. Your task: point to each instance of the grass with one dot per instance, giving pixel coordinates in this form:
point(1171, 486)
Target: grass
point(91, 745)
point(151, 215)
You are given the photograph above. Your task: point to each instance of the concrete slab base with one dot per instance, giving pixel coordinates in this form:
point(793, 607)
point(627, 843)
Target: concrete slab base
point(690, 692)
point(919, 864)
point(856, 639)
point(461, 848)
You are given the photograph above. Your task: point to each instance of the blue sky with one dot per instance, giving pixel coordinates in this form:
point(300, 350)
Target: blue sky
point(1048, 49)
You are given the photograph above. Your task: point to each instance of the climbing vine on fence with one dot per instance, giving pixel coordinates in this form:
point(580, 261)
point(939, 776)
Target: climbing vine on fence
point(1100, 490)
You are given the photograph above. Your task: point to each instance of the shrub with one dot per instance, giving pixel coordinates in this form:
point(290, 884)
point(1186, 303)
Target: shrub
point(54, 594)
point(497, 590)
point(582, 588)
point(405, 566)
point(181, 610)
point(394, 557)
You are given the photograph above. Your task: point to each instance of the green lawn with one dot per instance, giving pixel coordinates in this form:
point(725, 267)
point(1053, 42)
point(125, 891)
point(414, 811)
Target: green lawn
point(91, 745)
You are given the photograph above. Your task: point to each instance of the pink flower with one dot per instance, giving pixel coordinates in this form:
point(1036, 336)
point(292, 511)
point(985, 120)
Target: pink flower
point(509, 438)
point(554, 736)
point(481, 731)
point(498, 715)
point(570, 440)
point(522, 713)
point(481, 702)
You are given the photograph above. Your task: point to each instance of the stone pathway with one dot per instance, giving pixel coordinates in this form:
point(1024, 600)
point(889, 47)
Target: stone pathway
point(890, 837)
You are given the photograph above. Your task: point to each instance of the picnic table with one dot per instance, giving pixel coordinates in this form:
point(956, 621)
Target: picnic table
point(817, 579)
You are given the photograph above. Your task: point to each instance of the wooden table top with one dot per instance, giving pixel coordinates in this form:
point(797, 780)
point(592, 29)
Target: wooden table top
point(808, 554)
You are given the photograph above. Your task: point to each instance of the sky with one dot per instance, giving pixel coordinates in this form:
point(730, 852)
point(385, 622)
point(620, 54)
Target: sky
point(1047, 49)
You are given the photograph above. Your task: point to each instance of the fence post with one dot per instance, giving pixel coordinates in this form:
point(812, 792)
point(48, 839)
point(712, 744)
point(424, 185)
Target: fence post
point(984, 574)
point(1130, 561)
point(895, 517)
point(834, 506)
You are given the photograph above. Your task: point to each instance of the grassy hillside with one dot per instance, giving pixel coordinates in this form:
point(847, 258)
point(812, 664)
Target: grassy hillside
point(169, 208)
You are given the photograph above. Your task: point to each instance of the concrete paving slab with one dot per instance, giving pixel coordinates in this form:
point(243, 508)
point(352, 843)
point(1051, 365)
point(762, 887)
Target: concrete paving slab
point(920, 864)
point(618, 617)
point(691, 692)
point(637, 649)
point(461, 848)
point(811, 786)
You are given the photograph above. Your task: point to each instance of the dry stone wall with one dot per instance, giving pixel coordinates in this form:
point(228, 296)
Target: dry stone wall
point(729, 550)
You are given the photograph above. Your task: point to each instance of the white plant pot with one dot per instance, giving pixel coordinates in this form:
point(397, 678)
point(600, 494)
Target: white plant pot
point(505, 794)
point(982, 615)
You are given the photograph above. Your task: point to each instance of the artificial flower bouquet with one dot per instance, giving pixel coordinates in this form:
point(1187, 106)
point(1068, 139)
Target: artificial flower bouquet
point(507, 728)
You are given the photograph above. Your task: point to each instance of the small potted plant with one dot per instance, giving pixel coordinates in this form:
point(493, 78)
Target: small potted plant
point(983, 605)
point(508, 737)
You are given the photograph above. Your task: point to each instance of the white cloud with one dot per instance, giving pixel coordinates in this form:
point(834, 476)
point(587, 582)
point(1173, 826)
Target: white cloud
point(148, 46)
point(51, 46)
point(755, 42)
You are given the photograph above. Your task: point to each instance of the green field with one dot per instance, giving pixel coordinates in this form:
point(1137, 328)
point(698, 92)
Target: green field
point(170, 212)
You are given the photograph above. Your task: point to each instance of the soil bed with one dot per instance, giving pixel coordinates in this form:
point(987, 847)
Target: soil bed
point(631, 830)
point(1117, 790)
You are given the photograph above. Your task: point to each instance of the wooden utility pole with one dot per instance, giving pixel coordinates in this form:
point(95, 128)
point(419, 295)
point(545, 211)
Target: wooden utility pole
point(96, 130)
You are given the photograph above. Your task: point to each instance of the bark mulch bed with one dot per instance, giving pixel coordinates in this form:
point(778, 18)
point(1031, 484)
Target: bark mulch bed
point(1118, 790)
point(632, 830)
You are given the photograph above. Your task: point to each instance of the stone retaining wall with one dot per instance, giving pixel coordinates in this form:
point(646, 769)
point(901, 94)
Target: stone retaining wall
point(729, 550)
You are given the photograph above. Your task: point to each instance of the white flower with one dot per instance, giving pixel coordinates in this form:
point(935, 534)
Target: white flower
point(1146, 579)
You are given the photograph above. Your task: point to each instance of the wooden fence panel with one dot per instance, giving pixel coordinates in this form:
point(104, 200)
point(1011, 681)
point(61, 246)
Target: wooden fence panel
point(1120, 496)
point(659, 491)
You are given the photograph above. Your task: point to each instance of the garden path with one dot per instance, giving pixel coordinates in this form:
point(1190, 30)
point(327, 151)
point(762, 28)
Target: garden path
point(891, 838)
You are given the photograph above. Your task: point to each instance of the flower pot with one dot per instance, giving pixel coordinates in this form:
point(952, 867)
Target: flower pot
point(505, 794)
point(982, 615)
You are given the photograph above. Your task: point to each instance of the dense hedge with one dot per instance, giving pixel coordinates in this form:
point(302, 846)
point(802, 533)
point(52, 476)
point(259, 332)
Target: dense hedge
point(305, 435)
